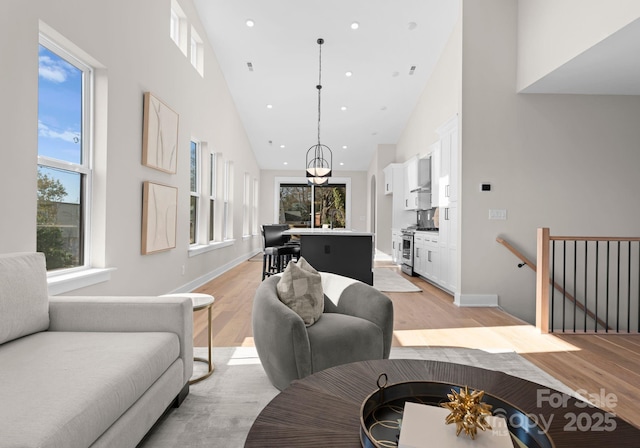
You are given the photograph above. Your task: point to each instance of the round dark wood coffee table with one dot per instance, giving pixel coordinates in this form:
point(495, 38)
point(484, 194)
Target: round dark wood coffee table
point(323, 410)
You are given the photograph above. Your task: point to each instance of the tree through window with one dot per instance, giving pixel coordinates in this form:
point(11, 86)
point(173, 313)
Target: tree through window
point(64, 168)
point(327, 207)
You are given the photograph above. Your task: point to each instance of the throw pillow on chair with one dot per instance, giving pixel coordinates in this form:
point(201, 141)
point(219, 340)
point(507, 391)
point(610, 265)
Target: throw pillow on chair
point(300, 288)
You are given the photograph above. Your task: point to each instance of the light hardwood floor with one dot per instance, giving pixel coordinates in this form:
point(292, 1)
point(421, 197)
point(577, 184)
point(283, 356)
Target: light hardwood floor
point(597, 365)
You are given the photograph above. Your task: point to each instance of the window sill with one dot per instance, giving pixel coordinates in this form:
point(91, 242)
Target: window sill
point(198, 249)
point(59, 284)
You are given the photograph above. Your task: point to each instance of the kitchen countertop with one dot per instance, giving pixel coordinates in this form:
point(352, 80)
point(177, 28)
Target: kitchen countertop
point(326, 232)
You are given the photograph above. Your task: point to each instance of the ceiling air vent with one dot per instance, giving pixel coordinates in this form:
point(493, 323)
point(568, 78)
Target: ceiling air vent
point(412, 70)
point(250, 66)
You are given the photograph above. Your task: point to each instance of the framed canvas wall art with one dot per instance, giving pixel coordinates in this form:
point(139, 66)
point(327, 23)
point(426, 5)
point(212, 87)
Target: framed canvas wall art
point(159, 217)
point(160, 135)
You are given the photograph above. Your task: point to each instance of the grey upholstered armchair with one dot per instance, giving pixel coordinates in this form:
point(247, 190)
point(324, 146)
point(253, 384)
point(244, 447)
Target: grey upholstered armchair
point(357, 325)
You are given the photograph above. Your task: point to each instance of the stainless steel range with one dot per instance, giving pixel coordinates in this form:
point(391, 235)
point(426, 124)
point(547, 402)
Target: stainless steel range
point(407, 250)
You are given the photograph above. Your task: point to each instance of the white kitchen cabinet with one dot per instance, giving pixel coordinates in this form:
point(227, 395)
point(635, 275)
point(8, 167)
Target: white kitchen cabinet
point(419, 254)
point(388, 179)
point(411, 183)
point(396, 246)
point(432, 258)
point(426, 260)
point(448, 176)
point(411, 200)
point(411, 174)
point(449, 247)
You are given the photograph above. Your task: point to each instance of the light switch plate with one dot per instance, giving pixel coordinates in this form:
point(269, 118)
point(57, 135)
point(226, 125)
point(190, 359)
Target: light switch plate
point(497, 214)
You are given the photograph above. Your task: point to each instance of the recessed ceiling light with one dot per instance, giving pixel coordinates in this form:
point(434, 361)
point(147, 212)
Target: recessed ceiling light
point(341, 163)
point(250, 23)
point(343, 108)
point(269, 106)
point(286, 163)
point(348, 74)
point(344, 147)
point(355, 25)
point(282, 146)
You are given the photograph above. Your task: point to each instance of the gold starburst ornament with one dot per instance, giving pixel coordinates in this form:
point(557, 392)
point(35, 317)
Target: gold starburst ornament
point(467, 411)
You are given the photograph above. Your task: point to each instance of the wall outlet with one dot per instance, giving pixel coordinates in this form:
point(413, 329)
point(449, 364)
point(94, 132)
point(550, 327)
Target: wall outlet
point(497, 214)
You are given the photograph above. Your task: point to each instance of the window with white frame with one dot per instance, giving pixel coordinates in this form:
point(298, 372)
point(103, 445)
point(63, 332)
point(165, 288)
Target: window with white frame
point(254, 214)
point(178, 26)
point(227, 216)
point(246, 205)
point(197, 51)
point(194, 155)
point(213, 158)
point(65, 128)
point(304, 205)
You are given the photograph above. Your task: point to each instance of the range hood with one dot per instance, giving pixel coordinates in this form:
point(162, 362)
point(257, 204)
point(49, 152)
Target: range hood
point(424, 175)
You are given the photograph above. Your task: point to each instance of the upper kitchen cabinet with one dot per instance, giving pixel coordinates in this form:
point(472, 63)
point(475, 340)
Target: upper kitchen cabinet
point(417, 190)
point(448, 185)
point(388, 178)
point(411, 174)
point(394, 174)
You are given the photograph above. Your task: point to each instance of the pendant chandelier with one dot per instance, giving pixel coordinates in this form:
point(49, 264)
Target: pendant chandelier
point(319, 157)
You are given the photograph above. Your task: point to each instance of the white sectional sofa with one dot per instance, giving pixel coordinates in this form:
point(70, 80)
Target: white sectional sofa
point(86, 371)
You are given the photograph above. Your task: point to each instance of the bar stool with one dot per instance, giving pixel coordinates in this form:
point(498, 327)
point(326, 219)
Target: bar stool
point(277, 249)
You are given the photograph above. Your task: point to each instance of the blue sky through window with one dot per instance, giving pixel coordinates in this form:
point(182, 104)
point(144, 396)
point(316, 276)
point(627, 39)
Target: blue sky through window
point(60, 114)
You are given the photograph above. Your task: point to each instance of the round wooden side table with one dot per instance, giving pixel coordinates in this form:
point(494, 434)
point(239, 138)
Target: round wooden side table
point(201, 302)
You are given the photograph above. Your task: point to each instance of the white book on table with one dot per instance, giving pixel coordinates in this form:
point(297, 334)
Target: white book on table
point(424, 426)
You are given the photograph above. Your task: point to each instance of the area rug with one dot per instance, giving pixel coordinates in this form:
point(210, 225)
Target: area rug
point(388, 280)
point(219, 411)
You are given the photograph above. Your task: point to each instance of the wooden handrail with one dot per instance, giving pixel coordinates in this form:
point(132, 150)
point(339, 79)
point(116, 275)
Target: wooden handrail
point(540, 313)
point(593, 238)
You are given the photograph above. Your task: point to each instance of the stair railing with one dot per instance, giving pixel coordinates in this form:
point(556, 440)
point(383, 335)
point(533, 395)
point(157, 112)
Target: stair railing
point(559, 288)
point(603, 273)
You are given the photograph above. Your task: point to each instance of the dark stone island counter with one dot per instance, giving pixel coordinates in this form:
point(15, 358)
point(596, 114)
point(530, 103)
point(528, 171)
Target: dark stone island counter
point(339, 251)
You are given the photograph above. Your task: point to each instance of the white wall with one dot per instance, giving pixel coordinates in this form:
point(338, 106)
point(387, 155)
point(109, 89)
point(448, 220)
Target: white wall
point(359, 189)
point(567, 162)
point(552, 32)
point(131, 41)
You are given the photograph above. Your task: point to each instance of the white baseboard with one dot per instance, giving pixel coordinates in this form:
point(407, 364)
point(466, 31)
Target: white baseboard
point(469, 300)
point(196, 283)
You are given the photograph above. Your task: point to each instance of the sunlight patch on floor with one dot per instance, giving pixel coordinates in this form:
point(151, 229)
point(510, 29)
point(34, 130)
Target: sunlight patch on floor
point(518, 338)
point(243, 356)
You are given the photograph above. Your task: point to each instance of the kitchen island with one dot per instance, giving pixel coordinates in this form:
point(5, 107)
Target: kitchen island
point(339, 251)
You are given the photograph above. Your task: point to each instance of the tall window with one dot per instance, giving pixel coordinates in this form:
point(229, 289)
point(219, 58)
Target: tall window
point(195, 191)
point(302, 205)
point(246, 204)
point(64, 157)
point(178, 26)
point(254, 213)
point(228, 198)
point(212, 194)
point(197, 52)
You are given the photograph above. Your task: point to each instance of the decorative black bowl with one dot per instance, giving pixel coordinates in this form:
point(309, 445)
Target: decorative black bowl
point(381, 410)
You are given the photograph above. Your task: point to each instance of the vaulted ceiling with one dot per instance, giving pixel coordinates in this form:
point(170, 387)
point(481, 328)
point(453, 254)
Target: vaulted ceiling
point(271, 69)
